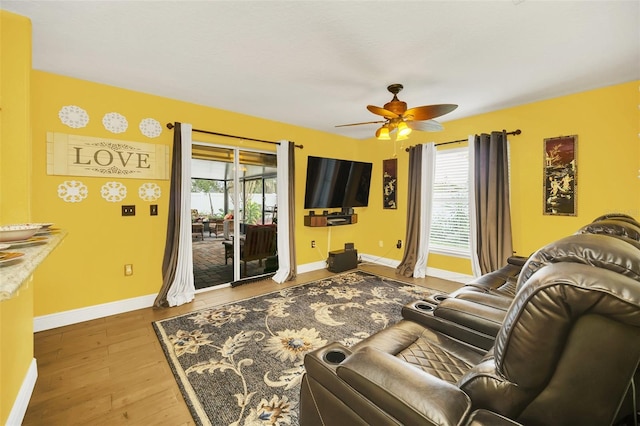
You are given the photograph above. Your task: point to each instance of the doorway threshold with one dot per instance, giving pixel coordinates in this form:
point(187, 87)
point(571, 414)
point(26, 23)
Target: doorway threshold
point(252, 279)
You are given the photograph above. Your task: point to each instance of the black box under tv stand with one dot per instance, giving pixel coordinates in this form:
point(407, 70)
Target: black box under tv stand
point(342, 260)
point(331, 219)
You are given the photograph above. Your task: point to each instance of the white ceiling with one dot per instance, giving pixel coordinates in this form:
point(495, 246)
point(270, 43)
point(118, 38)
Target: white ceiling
point(317, 64)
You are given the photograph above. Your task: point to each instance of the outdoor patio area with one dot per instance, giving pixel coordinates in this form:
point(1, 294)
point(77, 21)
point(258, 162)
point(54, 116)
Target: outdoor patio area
point(209, 268)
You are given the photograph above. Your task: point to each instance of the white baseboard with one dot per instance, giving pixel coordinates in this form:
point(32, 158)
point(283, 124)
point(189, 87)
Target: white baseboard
point(432, 272)
point(24, 395)
point(392, 263)
point(60, 319)
point(308, 267)
point(322, 264)
point(449, 275)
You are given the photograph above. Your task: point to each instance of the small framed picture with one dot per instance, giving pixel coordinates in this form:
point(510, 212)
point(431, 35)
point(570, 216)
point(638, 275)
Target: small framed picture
point(389, 183)
point(560, 176)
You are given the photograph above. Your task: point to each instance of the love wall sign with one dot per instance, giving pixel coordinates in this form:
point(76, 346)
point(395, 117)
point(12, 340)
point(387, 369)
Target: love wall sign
point(73, 155)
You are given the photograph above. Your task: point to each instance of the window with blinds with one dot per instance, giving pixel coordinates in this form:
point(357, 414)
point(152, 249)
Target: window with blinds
point(450, 205)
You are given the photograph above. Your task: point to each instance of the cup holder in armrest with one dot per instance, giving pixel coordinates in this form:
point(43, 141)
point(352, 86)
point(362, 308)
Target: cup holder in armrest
point(423, 306)
point(334, 356)
point(440, 297)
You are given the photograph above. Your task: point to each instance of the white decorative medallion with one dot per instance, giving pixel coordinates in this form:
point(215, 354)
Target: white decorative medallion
point(73, 116)
point(114, 122)
point(149, 191)
point(113, 191)
point(72, 191)
point(150, 128)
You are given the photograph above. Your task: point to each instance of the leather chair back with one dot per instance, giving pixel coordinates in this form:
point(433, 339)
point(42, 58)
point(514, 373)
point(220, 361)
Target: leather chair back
point(623, 230)
point(590, 249)
point(617, 216)
point(615, 227)
point(570, 340)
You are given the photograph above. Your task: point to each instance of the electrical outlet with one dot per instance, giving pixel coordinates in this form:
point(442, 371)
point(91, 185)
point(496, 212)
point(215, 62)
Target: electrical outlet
point(128, 269)
point(153, 210)
point(399, 244)
point(313, 244)
point(381, 243)
point(128, 210)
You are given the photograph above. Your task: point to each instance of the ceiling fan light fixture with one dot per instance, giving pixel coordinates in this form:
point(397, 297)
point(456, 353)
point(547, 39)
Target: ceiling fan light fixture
point(383, 133)
point(396, 116)
point(403, 130)
point(400, 137)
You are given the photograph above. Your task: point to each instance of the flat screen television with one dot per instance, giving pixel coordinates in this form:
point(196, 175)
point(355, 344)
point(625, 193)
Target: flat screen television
point(334, 183)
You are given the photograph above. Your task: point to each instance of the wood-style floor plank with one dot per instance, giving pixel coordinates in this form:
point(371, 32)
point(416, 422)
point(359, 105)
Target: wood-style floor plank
point(112, 371)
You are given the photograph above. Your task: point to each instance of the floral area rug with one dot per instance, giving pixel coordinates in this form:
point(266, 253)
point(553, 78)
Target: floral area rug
point(242, 363)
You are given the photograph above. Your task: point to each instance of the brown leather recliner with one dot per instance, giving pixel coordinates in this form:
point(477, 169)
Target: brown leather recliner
point(501, 281)
point(619, 227)
point(618, 216)
point(565, 355)
point(504, 283)
point(475, 317)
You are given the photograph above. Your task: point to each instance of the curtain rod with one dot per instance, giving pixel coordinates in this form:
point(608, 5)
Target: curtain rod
point(171, 126)
point(515, 132)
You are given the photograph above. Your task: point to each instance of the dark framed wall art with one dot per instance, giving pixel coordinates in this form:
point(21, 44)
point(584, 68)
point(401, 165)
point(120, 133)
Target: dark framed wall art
point(560, 176)
point(389, 183)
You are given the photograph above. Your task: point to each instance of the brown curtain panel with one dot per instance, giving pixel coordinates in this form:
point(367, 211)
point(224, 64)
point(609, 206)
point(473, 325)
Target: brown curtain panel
point(410, 256)
point(493, 213)
point(170, 261)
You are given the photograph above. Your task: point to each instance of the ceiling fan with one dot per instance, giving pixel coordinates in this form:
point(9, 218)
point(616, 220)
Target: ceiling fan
point(398, 118)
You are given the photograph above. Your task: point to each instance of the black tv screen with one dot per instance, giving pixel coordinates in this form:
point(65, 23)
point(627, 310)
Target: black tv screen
point(333, 183)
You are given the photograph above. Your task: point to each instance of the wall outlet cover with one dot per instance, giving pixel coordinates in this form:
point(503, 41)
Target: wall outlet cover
point(128, 210)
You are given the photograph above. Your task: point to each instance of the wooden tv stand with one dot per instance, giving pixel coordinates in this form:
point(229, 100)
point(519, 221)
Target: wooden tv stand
point(330, 220)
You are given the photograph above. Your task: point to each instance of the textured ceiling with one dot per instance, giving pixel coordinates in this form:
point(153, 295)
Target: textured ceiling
point(317, 64)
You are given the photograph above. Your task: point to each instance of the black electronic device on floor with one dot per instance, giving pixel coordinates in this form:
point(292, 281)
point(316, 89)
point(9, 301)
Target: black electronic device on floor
point(342, 260)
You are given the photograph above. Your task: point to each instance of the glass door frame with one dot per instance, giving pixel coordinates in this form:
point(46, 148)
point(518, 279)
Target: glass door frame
point(236, 194)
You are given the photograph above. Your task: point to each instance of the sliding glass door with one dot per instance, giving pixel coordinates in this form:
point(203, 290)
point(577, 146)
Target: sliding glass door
point(233, 199)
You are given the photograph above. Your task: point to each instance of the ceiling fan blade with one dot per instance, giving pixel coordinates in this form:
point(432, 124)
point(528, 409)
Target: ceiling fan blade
point(381, 111)
point(358, 124)
point(428, 112)
point(426, 126)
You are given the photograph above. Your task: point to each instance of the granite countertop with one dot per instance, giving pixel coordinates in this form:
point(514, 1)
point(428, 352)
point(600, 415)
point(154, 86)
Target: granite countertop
point(13, 274)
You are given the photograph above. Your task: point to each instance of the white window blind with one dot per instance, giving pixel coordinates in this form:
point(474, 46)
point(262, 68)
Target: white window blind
point(450, 208)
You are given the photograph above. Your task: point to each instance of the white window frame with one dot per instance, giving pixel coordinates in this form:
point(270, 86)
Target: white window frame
point(460, 176)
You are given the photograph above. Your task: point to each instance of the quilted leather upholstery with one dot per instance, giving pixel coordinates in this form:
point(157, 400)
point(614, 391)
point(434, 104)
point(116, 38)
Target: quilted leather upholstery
point(433, 359)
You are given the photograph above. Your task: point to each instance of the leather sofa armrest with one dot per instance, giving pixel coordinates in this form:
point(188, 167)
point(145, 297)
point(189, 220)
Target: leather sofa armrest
point(517, 260)
point(487, 299)
point(485, 319)
point(417, 312)
point(403, 391)
point(488, 418)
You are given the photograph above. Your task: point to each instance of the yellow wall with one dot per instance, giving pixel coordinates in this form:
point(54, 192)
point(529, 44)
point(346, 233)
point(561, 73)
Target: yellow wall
point(87, 269)
point(16, 325)
point(607, 122)
point(15, 150)
point(16, 340)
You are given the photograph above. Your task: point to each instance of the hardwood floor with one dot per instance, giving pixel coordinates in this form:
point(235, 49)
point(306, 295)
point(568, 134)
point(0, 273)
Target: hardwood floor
point(112, 371)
